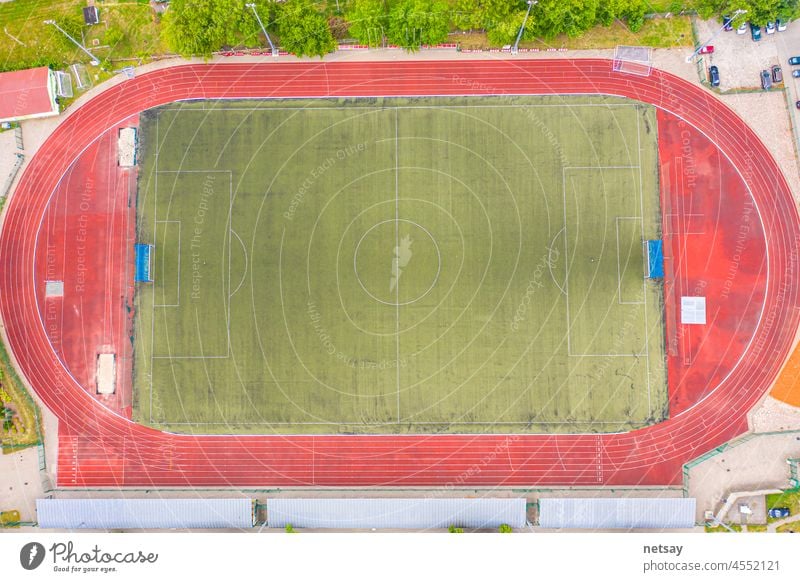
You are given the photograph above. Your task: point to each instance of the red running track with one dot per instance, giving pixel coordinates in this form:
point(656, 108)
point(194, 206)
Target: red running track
point(86, 241)
point(100, 448)
point(715, 248)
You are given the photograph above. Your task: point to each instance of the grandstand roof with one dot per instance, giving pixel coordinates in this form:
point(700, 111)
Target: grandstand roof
point(151, 513)
point(617, 513)
point(27, 94)
point(403, 513)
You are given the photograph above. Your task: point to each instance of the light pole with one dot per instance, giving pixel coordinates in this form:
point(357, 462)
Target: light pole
point(694, 54)
point(515, 49)
point(264, 30)
point(95, 60)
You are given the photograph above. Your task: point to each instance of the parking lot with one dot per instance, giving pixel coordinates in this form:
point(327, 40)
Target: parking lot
point(740, 60)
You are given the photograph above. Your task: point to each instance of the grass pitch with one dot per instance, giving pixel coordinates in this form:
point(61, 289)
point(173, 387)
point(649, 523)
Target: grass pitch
point(399, 266)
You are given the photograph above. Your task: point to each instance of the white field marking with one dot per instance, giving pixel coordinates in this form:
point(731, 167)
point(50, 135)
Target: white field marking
point(83, 342)
point(504, 95)
point(227, 292)
point(228, 302)
point(154, 271)
point(153, 309)
point(439, 107)
point(684, 279)
point(550, 263)
point(397, 245)
point(395, 423)
point(194, 171)
point(644, 288)
point(566, 263)
point(396, 221)
point(246, 263)
point(619, 268)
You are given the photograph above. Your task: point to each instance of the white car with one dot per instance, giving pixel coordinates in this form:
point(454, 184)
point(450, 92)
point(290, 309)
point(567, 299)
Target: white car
point(742, 28)
point(770, 28)
point(781, 25)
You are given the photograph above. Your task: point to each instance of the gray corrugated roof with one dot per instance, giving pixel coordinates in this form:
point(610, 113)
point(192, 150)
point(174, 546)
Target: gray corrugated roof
point(395, 513)
point(625, 513)
point(144, 513)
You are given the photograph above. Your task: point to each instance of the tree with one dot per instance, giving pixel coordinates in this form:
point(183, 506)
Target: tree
point(758, 11)
point(367, 20)
point(485, 14)
point(632, 12)
point(570, 17)
point(416, 22)
point(304, 30)
point(505, 528)
point(199, 27)
point(611, 10)
point(505, 32)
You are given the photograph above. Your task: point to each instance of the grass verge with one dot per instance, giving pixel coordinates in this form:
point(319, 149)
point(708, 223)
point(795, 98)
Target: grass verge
point(21, 427)
point(789, 498)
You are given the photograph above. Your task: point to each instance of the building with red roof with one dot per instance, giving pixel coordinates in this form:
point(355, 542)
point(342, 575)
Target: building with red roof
point(28, 94)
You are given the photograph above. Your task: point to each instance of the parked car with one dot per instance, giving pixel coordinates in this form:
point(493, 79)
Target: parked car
point(742, 28)
point(781, 24)
point(766, 80)
point(770, 28)
point(779, 512)
point(796, 73)
point(797, 104)
point(713, 75)
point(755, 32)
point(707, 50)
point(794, 61)
point(726, 22)
point(777, 74)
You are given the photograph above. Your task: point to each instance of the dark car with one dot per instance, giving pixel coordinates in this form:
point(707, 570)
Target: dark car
point(797, 104)
point(777, 74)
point(779, 512)
point(794, 61)
point(726, 22)
point(713, 74)
point(766, 80)
point(755, 32)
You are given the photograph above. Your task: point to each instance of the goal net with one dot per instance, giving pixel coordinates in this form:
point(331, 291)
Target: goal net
point(634, 60)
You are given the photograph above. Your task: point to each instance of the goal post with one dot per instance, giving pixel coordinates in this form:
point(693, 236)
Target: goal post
point(633, 60)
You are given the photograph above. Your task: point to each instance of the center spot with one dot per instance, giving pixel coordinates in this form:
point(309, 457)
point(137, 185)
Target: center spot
point(397, 262)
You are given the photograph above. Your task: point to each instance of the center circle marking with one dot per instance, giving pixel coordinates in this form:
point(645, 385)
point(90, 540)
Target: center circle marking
point(397, 269)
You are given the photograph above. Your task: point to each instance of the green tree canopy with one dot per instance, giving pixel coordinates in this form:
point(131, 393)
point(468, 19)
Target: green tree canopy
point(416, 22)
point(367, 20)
point(570, 17)
point(485, 14)
point(505, 32)
point(758, 11)
point(304, 30)
point(199, 27)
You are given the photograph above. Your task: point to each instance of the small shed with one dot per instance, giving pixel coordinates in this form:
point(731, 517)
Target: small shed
point(90, 15)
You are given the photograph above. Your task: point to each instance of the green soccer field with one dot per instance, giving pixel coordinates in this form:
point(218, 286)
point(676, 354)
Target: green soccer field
point(399, 266)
